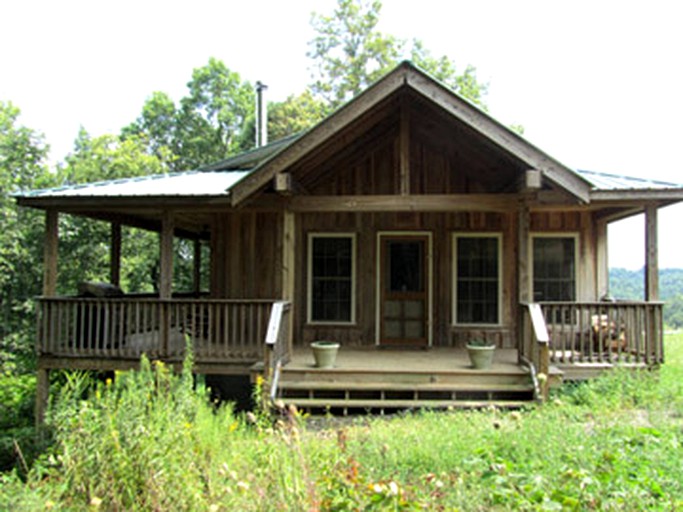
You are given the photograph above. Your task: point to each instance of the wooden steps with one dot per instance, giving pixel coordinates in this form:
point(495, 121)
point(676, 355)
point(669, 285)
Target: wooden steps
point(352, 390)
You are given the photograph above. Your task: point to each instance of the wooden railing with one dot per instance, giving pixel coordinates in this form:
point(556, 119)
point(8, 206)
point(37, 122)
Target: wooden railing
point(534, 349)
point(127, 327)
point(609, 332)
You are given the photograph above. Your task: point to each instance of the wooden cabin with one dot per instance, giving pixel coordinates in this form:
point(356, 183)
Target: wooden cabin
point(403, 226)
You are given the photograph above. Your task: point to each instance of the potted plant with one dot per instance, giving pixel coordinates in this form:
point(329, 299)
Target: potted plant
point(481, 353)
point(325, 353)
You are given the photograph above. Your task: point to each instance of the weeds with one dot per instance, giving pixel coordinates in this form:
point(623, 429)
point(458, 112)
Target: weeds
point(152, 440)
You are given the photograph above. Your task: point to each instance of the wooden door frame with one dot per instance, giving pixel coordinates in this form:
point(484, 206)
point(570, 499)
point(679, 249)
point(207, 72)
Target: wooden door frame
point(381, 236)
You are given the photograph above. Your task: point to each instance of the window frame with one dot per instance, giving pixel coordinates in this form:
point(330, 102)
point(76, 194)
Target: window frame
point(555, 234)
point(454, 269)
point(309, 273)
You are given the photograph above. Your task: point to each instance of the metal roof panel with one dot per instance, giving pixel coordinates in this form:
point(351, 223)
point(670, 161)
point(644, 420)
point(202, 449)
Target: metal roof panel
point(191, 183)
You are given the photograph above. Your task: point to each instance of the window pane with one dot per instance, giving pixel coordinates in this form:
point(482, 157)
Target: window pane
point(331, 276)
point(554, 269)
point(477, 278)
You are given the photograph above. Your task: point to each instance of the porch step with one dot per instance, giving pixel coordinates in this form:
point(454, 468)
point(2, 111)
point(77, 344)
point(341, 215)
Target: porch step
point(344, 396)
point(368, 405)
point(401, 386)
point(408, 377)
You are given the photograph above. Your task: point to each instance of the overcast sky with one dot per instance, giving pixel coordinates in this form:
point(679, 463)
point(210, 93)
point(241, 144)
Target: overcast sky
point(597, 84)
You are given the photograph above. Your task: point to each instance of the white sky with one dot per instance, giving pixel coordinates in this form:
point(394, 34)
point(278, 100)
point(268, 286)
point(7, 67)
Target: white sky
point(596, 84)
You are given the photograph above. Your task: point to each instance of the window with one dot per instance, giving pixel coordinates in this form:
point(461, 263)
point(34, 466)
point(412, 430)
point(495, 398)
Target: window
point(554, 263)
point(331, 271)
point(477, 279)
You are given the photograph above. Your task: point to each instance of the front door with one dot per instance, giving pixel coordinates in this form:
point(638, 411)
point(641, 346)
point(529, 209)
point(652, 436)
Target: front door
point(404, 290)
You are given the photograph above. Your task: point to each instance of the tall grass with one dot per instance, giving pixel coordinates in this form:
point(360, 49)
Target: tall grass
point(151, 440)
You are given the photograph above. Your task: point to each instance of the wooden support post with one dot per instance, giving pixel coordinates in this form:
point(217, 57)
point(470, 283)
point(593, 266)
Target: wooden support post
point(197, 268)
point(289, 269)
point(115, 254)
point(166, 256)
point(523, 284)
point(42, 395)
point(602, 258)
point(50, 254)
point(524, 259)
point(651, 264)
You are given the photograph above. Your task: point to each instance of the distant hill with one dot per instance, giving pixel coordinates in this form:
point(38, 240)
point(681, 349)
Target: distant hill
point(630, 285)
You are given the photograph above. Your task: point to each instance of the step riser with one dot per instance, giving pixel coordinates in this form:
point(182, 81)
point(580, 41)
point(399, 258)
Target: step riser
point(406, 378)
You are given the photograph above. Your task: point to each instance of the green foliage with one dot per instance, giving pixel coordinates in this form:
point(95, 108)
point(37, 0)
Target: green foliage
point(629, 285)
point(206, 126)
point(22, 166)
point(349, 54)
point(609, 444)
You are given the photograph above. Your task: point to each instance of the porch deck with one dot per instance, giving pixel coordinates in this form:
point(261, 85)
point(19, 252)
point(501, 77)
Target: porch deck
point(375, 379)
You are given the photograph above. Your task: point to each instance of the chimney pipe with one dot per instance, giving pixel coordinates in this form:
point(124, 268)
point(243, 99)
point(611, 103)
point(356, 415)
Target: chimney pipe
point(261, 115)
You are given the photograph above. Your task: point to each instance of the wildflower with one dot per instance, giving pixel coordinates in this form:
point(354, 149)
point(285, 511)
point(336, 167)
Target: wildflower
point(107, 382)
point(377, 489)
point(393, 488)
point(243, 486)
point(95, 501)
point(213, 508)
point(259, 380)
point(232, 427)
point(49, 504)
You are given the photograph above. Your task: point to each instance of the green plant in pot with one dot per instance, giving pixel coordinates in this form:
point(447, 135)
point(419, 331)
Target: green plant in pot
point(481, 353)
point(325, 353)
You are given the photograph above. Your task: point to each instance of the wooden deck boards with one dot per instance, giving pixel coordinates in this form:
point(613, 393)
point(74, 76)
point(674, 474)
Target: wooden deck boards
point(390, 360)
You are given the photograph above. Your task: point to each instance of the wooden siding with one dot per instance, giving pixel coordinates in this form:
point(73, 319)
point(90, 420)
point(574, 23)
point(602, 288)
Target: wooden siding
point(245, 255)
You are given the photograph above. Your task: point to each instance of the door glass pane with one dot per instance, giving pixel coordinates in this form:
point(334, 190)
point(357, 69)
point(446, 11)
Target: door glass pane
point(405, 266)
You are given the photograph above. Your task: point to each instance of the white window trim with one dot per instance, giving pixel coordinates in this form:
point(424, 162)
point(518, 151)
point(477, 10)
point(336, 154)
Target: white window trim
point(309, 277)
point(454, 271)
point(378, 283)
point(555, 234)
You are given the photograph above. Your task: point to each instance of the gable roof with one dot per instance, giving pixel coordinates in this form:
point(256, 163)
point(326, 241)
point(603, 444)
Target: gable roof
point(406, 75)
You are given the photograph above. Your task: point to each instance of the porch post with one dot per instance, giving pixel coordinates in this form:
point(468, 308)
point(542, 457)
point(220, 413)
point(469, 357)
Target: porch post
point(197, 269)
point(50, 253)
point(166, 256)
point(288, 269)
point(651, 264)
point(50, 256)
point(602, 258)
point(115, 254)
point(523, 273)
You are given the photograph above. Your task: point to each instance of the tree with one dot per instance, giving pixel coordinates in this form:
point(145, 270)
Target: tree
point(349, 53)
point(22, 166)
point(206, 126)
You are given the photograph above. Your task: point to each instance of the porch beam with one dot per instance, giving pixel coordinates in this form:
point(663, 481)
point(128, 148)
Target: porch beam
point(115, 254)
point(50, 253)
point(166, 256)
point(651, 261)
point(408, 203)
